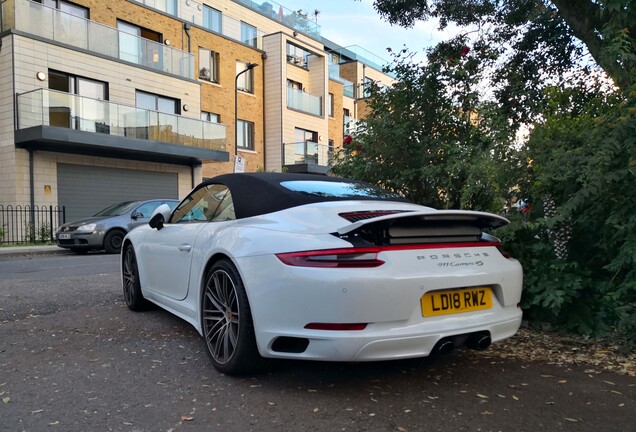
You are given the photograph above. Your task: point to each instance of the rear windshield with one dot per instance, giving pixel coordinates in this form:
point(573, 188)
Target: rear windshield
point(330, 189)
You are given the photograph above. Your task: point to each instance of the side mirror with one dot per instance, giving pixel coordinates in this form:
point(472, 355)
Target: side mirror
point(159, 216)
point(156, 221)
point(136, 215)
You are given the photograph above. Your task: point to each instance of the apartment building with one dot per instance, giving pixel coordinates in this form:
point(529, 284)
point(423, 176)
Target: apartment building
point(131, 99)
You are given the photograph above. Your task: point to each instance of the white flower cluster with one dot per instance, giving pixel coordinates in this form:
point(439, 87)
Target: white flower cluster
point(559, 236)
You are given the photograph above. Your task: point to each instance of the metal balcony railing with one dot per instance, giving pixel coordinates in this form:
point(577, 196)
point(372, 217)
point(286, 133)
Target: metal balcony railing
point(194, 12)
point(305, 102)
point(53, 24)
point(307, 152)
point(44, 107)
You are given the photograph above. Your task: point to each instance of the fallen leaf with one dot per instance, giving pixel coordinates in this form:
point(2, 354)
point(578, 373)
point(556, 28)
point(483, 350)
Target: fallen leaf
point(562, 382)
point(127, 423)
point(56, 422)
point(609, 382)
point(486, 413)
point(616, 392)
point(37, 411)
point(187, 418)
point(479, 395)
point(515, 397)
point(6, 399)
point(570, 419)
point(316, 409)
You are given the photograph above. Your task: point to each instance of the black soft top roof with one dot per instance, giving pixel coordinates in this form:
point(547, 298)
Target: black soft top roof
point(256, 194)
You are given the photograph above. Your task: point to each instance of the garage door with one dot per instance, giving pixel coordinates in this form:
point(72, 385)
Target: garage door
point(84, 190)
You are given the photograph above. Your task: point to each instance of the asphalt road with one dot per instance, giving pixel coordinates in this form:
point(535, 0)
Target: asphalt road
point(73, 358)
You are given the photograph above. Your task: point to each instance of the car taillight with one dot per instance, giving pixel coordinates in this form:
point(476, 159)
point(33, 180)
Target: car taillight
point(333, 258)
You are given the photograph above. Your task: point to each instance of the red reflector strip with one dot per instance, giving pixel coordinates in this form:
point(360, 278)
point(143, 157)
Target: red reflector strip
point(337, 327)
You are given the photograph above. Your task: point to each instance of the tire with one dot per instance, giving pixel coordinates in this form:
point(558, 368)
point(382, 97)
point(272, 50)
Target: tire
point(226, 321)
point(113, 241)
point(130, 279)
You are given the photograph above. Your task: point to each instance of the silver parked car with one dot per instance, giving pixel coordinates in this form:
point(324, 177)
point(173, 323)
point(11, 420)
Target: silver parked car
point(108, 227)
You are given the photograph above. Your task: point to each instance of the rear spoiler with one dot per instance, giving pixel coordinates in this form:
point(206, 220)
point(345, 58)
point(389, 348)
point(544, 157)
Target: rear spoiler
point(466, 218)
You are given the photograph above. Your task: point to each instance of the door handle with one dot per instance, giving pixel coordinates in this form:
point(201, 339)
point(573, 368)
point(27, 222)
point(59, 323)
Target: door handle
point(185, 247)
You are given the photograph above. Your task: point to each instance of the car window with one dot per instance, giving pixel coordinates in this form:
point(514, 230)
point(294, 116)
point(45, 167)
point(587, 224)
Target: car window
point(146, 209)
point(117, 209)
point(211, 203)
point(334, 189)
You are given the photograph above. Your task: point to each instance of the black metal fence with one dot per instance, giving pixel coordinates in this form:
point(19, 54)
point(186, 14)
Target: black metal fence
point(30, 224)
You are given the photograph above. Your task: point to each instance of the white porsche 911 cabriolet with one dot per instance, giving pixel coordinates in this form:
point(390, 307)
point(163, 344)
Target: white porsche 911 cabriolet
point(314, 267)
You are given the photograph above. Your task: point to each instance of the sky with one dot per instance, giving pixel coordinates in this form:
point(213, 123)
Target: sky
point(349, 22)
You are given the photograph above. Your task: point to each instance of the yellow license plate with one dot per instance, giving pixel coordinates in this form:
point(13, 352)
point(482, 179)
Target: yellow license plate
point(456, 301)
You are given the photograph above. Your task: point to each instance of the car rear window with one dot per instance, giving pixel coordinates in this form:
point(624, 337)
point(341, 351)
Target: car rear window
point(331, 189)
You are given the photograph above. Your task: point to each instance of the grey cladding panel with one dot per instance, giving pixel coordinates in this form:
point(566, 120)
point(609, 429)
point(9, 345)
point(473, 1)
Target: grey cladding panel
point(85, 190)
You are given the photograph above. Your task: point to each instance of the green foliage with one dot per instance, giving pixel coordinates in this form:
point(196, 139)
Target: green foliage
point(422, 138)
point(583, 154)
point(533, 43)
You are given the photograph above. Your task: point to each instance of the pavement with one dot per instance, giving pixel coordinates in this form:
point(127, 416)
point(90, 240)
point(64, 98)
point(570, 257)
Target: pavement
point(31, 250)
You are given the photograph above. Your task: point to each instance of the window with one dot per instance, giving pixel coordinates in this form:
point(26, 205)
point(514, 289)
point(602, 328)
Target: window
point(212, 19)
point(296, 55)
point(346, 119)
point(334, 58)
point(211, 203)
point(65, 6)
point(294, 85)
point(154, 102)
point(135, 50)
point(248, 34)
point(245, 135)
point(210, 117)
point(208, 65)
point(302, 135)
point(368, 84)
point(88, 113)
point(245, 82)
point(330, 105)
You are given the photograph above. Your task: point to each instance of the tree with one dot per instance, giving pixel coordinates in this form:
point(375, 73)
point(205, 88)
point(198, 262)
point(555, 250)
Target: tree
point(423, 139)
point(534, 43)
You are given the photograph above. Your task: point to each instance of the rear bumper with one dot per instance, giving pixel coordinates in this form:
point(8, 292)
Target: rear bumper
point(387, 299)
point(387, 342)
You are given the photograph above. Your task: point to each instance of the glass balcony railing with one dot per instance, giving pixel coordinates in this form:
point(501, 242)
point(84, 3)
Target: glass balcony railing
point(307, 152)
point(349, 90)
point(334, 74)
point(194, 12)
point(293, 19)
point(53, 108)
point(305, 102)
point(357, 53)
point(55, 25)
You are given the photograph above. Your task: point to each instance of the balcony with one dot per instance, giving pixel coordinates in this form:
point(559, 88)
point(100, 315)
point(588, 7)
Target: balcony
point(334, 74)
point(307, 157)
point(55, 25)
point(193, 12)
point(57, 121)
point(289, 18)
point(305, 102)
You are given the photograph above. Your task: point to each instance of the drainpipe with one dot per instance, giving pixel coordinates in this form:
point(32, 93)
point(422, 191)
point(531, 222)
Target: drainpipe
point(32, 185)
point(186, 28)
